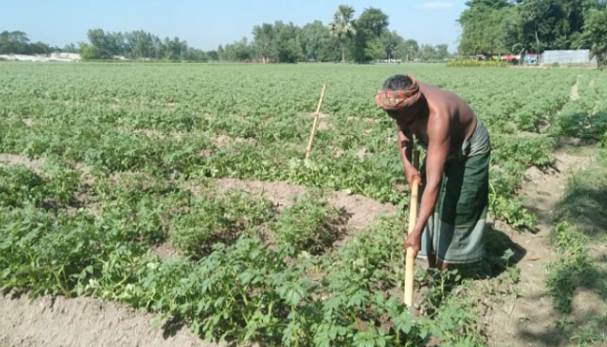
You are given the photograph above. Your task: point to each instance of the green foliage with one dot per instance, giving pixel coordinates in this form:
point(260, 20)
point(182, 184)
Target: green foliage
point(586, 117)
point(485, 27)
point(317, 43)
point(137, 44)
point(20, 186)
point(574, 269)
point(584, 201)
point(463, 62)
point(342, 28)
point(311, 225)
point(124, 122)
point(369, 28)
point(145, 140)
point(219, 218)
point(510, 27)
point(17, 42)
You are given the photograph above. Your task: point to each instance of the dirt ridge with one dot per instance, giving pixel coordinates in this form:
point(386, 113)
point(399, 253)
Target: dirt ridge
point(83, 321)
point(531, 319)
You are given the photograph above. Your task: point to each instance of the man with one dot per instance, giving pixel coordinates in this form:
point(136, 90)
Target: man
point(451, 221)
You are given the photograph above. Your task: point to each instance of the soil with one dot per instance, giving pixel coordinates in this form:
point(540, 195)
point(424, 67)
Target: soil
point(574, 93)
point(16, 159)
point(531, 320)
point(323, 120)
point(82, 321)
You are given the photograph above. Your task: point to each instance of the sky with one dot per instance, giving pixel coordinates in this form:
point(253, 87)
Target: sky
point(205, 24)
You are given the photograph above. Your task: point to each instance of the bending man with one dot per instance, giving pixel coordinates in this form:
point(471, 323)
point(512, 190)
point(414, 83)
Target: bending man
point(451, 221)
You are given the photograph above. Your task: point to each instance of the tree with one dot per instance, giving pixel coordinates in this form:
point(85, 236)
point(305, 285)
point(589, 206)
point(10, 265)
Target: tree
point(193, 54)
point(500, 26)
point(39, 48)
point(408, 50)
point(441, 52)
point(237, 51)
point(370, 26)
point(317, 43)
point(342, 28)
point(485, 27)
point(140, 44)
point(89, 51)
point(175, 48)
point(70, 48)
point(390, 43)
point(596, 32)
point(102, 45)
point(553, 24)
point(262, 40)
point(14, 42)
point(427, 53)
point(285, 46)
point(212, 55)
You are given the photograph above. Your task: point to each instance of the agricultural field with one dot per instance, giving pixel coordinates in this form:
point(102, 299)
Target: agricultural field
point(182, 189)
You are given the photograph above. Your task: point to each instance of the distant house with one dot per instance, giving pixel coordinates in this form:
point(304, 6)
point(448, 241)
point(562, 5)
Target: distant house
point(567, 57)
point(41, 58)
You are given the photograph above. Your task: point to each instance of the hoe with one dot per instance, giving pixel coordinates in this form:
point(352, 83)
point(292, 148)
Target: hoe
point(410, 254)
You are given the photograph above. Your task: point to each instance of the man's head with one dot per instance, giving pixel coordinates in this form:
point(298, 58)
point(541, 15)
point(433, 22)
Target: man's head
point(397, 82)
point(398, 95)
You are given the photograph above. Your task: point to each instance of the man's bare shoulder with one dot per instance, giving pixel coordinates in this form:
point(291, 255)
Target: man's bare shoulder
point(435, 94)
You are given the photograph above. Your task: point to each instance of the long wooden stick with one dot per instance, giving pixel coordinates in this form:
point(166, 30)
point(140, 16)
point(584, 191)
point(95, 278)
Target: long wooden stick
point(410, 256)
point(316, 119)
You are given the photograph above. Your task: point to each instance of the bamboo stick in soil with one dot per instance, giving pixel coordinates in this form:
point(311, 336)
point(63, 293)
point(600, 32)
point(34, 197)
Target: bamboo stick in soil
point(316, 120)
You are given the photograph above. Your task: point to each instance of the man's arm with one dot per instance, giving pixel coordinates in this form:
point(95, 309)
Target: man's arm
point(438, 149)
point(404, 143)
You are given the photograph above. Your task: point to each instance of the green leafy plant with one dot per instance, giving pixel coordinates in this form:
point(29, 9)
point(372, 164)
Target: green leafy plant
point(311, 225)
point(219, 218)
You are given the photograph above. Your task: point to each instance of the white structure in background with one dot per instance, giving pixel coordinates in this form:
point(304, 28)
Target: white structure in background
point(41, 58)
point(573, 57)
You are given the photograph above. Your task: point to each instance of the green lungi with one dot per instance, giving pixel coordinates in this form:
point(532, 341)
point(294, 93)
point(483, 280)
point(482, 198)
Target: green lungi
point(455, 231)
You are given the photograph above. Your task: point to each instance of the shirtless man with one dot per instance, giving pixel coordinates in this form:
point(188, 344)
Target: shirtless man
point(451, 221)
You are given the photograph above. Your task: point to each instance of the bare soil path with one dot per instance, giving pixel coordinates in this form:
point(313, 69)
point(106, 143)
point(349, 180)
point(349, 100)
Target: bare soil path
point(574, 93)
point(531, 319)
point(82, 321)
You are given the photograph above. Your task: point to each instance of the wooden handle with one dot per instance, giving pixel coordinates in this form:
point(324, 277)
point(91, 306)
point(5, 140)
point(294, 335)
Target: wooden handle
point(410, 256)
point(316, 119)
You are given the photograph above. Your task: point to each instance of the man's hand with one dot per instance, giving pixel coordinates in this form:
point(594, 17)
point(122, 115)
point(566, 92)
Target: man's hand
point(412, 174)
point(414, 240)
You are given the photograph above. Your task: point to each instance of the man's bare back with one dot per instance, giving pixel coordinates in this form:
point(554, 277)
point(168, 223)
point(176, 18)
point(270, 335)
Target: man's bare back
point(442, 107)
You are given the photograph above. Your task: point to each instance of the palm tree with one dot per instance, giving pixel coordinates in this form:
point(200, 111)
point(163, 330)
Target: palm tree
point(342, 27)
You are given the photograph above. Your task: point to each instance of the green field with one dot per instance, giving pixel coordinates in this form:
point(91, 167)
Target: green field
point(129, 155)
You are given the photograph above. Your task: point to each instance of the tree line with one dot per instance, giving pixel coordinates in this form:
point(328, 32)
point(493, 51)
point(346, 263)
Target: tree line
point(17, 42)
point(137, 44)
point(345, 38)
point(514, 26)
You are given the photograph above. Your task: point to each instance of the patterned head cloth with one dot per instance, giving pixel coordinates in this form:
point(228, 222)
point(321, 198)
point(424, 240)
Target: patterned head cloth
point(392, 100)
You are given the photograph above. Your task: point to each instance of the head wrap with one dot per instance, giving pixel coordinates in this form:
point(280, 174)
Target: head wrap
point(392, 100)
